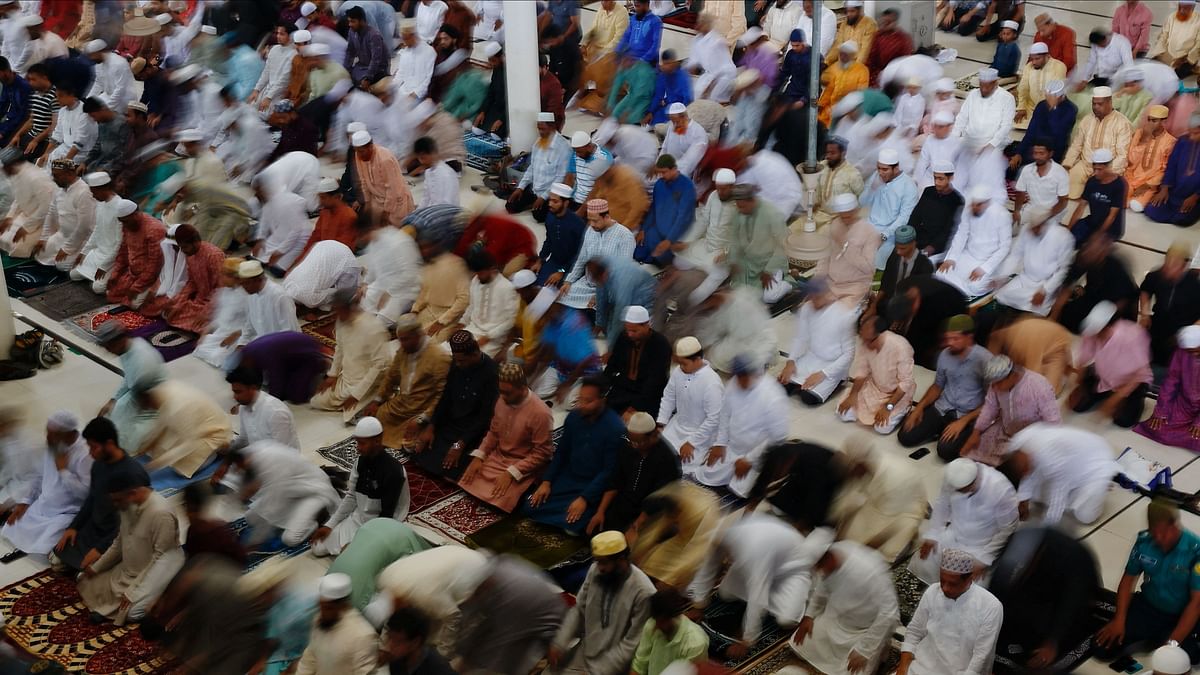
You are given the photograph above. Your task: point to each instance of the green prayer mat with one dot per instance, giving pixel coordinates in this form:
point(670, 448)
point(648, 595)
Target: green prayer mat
point(542, 545)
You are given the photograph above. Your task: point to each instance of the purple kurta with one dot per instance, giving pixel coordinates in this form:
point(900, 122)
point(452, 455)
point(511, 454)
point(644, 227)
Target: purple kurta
point(290, 362)
point(1178, 404)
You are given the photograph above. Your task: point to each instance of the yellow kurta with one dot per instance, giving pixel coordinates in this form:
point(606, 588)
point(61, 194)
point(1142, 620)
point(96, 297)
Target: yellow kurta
point(841, 81)
point(1178, 39)
point(729, 19)
point(1031, 90)
point(607, 29)
point(600, 62)
point(190, 427)
point(361, 356)
point(445, 294)
point(1147, 163)
point(862, 33)
point(674, 561)
point(411, 387)
point(845, 179)
point(1092, 133)
point(622, 187)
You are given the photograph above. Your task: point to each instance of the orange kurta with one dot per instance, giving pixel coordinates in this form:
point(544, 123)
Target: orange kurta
point(1147, 163)
point(841, 81)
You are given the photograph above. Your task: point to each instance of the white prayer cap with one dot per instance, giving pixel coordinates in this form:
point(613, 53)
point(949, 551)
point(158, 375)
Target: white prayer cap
point(944, 85)
point(97, 179)
point(686, 347)
point(360, 138)
point(1135, 75)
point(301, 36)
point(307, 8)
point(1188, 337)
point(640, 423)
point(546, 117)
point(848, 103)
point(889, 156)
point(368, 427)
point(943, 117)
point(1171, 659)
point(62, 420)
point(1039, 48)
point(32, 20)
point(724, 177)
point(562, 190)
point(1102, 156)
point(334, 586)
point(943, 166)
point(605, 132)
point(95, 46)
point(491, 49)
point(851, 4)
point(318, 49)
point(541, 304)
point(355, 127)
point(408, 25)
point(988, 74)
point(523, 279)
point(981, 193)
point(189, 72)
point(327, 184)
point(1098, 318)
point(580, 139)
point(1102, 92)
point(190, 136)
point(849, 47)
point(126, 207)
point(957, 561)
point(677, 108)
point(208, 30)
point(960, 473)
point(843, 203)
point(250, 269)
point(164, 18)
point(752, 35)
point(636, 314)
point(423, 111)
point(1055, 87)
point(1011, 25)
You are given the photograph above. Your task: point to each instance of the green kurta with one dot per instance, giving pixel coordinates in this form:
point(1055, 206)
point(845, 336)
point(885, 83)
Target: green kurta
point(1132, 105)
point(377, 544)
point(631, 107)
point(759, 244)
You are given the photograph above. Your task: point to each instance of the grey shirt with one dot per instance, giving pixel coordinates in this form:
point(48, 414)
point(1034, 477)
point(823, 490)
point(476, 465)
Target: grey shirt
point(961, 380)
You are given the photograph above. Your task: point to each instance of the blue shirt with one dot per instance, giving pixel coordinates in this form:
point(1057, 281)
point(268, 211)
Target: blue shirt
point(14, 103)
point(672, 211)
point(564, 234)
point(628, 283)
point(961, 380)
point(547, 166)
point(669, 88)
point(794, 74)
point(891, 205)
point(642, 37)
point(1007, 58)
point(570, 338)
point(1169, 577)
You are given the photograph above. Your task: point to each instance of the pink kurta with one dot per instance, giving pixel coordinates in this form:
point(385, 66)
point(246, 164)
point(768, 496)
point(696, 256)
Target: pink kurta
point(139, 260)
point(190, 308)
point(850, 267)
point(1005, 413)
point(1120, 360)
point(885, 370)
point(382, 187)
point(518, 442)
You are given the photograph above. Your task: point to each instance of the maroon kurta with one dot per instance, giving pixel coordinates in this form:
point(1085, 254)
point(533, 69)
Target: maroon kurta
point(886, 47)
point(139, 260)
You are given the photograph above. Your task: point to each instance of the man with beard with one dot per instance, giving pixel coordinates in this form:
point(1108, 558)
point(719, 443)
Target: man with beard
point(463, 412)
point(342, 642)
point(645, 464)
point(609, 613)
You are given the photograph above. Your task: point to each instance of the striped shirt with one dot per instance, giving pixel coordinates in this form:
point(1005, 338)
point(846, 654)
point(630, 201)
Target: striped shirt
point(42, 106)
point(587, 171)
point(547, 166)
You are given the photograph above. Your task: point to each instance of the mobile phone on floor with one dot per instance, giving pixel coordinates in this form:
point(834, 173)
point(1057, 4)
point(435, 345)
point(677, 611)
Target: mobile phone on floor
point(918, 453)
point(1134, 668)
point(1119, 665)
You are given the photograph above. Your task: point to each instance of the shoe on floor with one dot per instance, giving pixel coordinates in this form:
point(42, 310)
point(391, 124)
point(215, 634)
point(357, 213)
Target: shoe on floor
point(12, 556)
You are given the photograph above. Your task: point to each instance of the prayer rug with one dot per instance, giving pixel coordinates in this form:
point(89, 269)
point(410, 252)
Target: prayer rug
point(11, 262)
point(30, 278)
point(424, 489)
point(87, 322)
point(171, 342)
point(457, 517)
point(322, 330)
point(45, 617)
point(723, 622)
point(67, 300)
point(683, 19)
point(546, 546)
point(168, 483)
point(256, 558)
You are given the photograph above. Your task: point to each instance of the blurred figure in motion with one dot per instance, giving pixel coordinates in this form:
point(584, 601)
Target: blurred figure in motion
point(342, 642)
point(882, 501)
point(405, 647)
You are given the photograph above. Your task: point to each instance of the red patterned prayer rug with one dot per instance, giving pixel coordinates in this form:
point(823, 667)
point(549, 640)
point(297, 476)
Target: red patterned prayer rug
point(45, 616)
point(89, 321)
point(457, 517)
point(323, 330)
point(424, 489)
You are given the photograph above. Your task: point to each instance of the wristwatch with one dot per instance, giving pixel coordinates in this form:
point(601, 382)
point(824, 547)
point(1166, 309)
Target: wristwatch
point(891, 407)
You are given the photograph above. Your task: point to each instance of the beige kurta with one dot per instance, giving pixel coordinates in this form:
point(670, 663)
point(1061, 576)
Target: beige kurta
point(411, 387)
point(190, 427)
point(845, 179)
point(444, 295)
point(850, 265)
point(362, 354)
point(729, 19)
point(884, 508)
point(1092, 133)
point(350, 647)
point(1031, 90)
point(138, 565)
point(1178, 39)
point(886, 369)
point(674, 560)
point(1036, 344)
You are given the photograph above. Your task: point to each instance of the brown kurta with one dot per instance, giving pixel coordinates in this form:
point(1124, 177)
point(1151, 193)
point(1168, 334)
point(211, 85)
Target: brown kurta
point(382, 188)
point(1040, 345)
point(138, 262)
point(626, 194)
point(519, 442)
point(411, 387)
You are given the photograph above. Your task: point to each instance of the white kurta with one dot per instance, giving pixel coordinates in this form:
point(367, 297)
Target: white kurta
point(690, 411)
point(14, 38)
point(751, 421)
point(393, 273)
point(297, 172)
point(244, 142)
point(740, 326)
point(989, 120)
point(687, 148)
point(101, 248)
point(1041, 263)
point(32, 193)
point(414, 69)
point(771, 570)
point(710, 53)
point(1071, 470)
point(284, 228)
point(228, 315)
point(437, 581)
point(267, 419)
point(488, 13)
point(53, 501)
point(286, 478)
point(441, 186)
point(20, 469)
point(954, 636)
point(984, 167)
point(979, 523)
point(776, 180)
point(334, 40)
point(114, 82)
point(910, 110)
point(492, 312)
point(350, 647)
point(980, 242)
point(273, 82)
point(48, 46)
point(202, 109)
point(69, 224)
point(934, 150)
point(357, 106)
point(853, 609)
point(74, 129)
point(1106, 61)
point(328, 266)
point(828, 29)
point(710, 234)
point(634, 146)
point(268, 311)
point(429, 19)
point(824, 342)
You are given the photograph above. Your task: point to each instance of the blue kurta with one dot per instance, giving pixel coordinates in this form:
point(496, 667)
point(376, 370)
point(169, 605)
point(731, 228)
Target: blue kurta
point(569, 338)
point(794, 74)
point(671, 214)
point(583, 464)
point(564, 234)
point(1007, 59)
point(627, 284)
point(642, 37)
point(669, 88)
point(1183, 178)
point(891, 205)
point(1053, 125)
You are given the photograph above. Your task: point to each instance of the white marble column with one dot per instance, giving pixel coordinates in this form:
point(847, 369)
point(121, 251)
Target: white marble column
point(916, 18)
point(521, 69)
